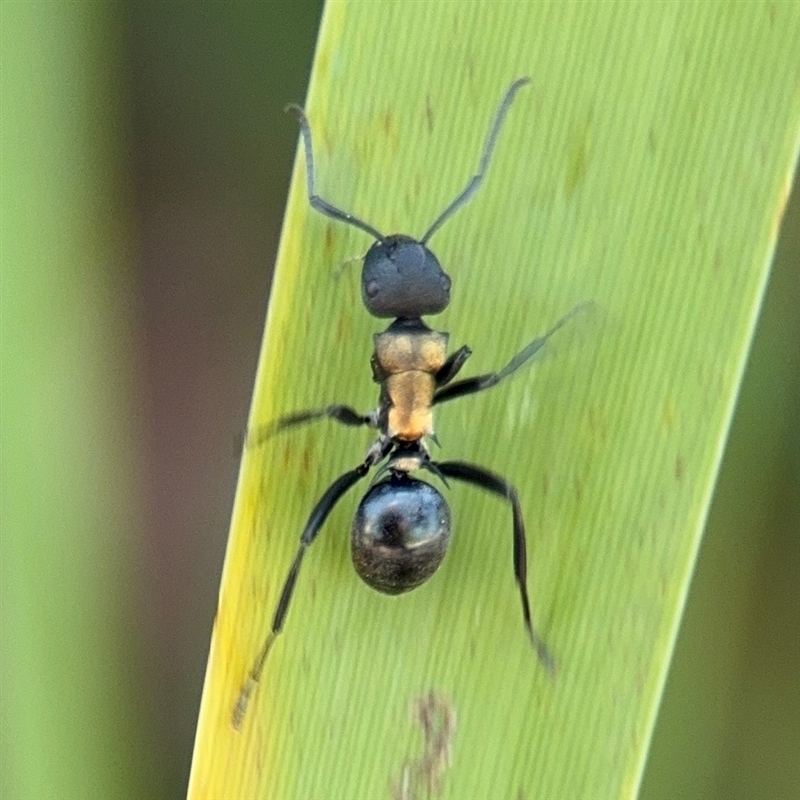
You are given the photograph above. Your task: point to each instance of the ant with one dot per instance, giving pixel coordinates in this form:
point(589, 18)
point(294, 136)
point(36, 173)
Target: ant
point(401, 528)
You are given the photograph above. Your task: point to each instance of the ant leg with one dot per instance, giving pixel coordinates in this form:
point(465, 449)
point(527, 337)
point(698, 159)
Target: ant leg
point(478, 476)
point(317, 202)
point(345, 415)
point(452, 366)
point(481, 382)
point(312, 528)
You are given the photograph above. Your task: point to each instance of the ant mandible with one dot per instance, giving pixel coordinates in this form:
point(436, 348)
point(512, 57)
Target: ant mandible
point(401, 528)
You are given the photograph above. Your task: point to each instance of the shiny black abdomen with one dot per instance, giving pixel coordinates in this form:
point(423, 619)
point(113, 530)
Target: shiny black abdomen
point(400, 534)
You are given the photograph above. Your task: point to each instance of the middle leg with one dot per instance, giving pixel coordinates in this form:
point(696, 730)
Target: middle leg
point(344, 415)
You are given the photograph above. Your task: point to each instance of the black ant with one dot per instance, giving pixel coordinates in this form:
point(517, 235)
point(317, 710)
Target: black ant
point(401, 528)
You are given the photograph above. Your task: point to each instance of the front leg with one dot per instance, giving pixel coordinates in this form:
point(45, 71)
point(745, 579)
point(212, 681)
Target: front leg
point(481, 382)
point(452, 366)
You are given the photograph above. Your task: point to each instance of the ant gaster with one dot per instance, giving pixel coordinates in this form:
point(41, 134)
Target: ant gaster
point(401, 528)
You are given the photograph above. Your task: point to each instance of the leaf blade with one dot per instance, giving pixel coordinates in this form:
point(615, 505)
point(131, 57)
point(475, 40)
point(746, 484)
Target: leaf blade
point(627, 432)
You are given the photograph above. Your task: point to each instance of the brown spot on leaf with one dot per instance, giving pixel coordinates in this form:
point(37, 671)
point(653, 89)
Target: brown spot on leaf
point(651, 140)
point(578, 155)
point(422, 777)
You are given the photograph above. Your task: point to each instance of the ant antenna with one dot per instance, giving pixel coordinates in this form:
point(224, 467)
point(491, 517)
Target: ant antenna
point(488, 148)
point(317, 202)
point(330, 210)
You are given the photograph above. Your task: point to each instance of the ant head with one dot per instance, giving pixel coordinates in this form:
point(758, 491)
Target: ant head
point(401, 277)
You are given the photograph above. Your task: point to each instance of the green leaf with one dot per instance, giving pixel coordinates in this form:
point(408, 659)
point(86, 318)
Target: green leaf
point(645, 169)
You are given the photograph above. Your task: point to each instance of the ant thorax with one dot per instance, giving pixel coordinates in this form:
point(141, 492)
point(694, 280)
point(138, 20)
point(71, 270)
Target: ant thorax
point(407, 357)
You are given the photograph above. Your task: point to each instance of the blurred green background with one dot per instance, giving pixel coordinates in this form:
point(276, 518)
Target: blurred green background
point(145, 162)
